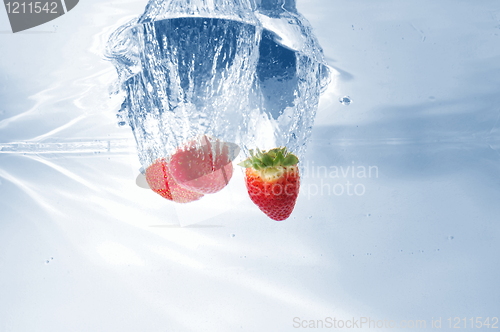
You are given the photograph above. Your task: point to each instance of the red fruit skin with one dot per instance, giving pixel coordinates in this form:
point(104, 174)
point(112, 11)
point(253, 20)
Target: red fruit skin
point(275, 198)
point(212, 182)
point(161, 181)
point(202, 166)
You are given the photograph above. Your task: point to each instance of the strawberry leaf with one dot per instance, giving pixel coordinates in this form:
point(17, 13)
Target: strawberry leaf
point(267, 160)
point(246, 163)
point(279, 158)
point(257, 164)
point(290, 160)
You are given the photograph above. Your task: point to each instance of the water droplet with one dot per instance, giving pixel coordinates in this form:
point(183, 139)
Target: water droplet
point(233, 235)
point(346, 100)
point(310, 217)
point(369, 215)
point(51, 258)
point(47, 262)
point(121, 123)
point(451, 237)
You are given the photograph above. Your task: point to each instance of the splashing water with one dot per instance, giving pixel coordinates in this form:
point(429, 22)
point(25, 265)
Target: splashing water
point(290, 76)
point(228, 69)
point(185, 76)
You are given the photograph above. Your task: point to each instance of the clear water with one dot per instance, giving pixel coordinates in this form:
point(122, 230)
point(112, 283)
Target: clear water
point(192, 73)
point(291, 74)
point(193, 78)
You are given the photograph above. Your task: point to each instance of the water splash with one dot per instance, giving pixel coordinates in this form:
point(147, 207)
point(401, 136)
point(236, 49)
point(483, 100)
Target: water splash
point(290, 76)
point(193, 81)
point(231, 69)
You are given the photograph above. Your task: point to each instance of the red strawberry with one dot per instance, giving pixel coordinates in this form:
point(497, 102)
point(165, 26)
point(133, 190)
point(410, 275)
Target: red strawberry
point(273, 181)
point(161, 181)
point(203, 165)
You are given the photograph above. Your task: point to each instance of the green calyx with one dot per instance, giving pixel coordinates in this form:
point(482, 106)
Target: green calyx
point(278, 157)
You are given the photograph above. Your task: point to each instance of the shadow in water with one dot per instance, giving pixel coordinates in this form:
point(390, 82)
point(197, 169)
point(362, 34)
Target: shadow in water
point(426, 140)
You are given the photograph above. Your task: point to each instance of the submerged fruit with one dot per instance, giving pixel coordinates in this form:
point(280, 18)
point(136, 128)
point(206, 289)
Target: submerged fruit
point(160, 180)
point(203, 165)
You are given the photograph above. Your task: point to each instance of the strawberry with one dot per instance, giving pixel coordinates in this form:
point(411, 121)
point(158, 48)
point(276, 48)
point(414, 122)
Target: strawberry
point(160, 180)
point(272, 180)
point(203, 165)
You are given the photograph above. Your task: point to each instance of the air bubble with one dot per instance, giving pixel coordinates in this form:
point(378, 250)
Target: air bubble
point(346, 100)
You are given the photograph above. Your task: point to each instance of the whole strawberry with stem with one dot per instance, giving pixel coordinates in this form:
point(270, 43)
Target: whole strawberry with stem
point(273, 181)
